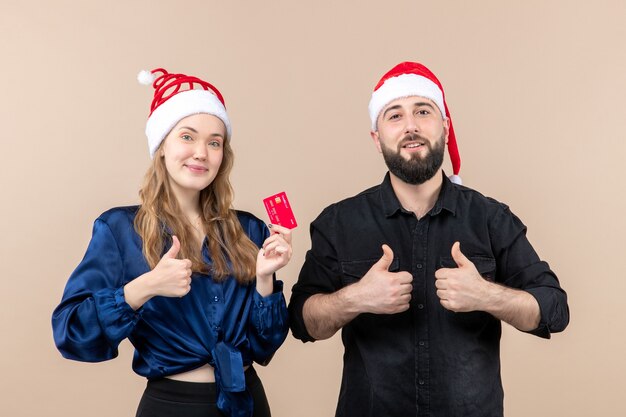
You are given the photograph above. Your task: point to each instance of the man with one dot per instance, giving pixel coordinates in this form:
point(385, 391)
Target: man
point(421, 323)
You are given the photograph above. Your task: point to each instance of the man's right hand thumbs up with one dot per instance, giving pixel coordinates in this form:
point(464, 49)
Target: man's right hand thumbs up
point(385, 261)
point(384, 292)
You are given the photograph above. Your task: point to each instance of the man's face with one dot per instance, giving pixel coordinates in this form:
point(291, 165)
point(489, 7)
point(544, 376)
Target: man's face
point(412, 136)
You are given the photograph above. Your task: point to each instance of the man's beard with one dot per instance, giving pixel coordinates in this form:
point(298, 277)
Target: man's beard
point(416, 170)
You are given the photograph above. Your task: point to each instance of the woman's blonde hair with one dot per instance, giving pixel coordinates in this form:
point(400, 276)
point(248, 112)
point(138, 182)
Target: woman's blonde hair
point(230, 249)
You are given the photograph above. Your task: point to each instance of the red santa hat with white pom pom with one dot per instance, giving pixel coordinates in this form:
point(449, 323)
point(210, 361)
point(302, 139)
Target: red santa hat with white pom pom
point(414, 79)
point(177, 96)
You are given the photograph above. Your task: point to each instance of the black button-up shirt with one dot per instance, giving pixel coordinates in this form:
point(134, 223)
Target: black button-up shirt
point(427, 361)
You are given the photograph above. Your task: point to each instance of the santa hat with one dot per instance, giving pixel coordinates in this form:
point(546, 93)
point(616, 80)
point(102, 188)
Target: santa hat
point(413, 79)
point(177, 96)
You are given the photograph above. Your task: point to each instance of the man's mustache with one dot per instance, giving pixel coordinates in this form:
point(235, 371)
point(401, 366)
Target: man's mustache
point(412, 137)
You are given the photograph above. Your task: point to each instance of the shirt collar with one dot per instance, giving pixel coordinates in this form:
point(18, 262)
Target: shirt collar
point(447, 199)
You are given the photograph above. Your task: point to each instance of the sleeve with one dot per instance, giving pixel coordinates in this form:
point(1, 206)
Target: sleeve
point(268, 320)
point(93, 316)
point(319, 275)
point(268, 324)
point(519, 266)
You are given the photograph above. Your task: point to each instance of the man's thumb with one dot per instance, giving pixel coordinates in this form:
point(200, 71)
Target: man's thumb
point(173, 252)
point(460, 259)
point(385, 261)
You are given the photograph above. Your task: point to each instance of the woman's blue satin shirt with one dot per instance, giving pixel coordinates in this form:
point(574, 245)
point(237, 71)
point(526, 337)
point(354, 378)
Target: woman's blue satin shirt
point(224, 324)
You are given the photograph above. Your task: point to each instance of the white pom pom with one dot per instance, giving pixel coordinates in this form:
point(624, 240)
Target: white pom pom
point(456, 179)
point(145, 77)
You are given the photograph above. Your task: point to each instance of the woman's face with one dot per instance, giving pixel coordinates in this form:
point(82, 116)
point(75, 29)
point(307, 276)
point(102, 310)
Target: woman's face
point(193, 153)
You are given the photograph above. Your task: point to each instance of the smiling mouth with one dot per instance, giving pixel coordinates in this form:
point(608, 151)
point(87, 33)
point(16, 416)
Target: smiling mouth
point(197, 168)
point(413, 145)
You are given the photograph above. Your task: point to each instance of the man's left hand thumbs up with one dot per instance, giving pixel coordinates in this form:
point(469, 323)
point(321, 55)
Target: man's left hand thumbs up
point(460, 259)
point(461, 289)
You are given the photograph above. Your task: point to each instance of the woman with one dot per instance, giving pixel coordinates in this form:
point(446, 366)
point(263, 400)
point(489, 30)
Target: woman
point(182, 276)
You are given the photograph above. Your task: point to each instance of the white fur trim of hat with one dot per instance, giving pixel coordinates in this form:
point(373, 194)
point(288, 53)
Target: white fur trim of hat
point(179, 106)
point(404, 85)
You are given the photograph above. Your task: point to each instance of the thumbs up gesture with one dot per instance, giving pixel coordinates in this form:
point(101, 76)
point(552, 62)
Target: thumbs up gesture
point(461, 289)
point(171, 277)
point(384, 292)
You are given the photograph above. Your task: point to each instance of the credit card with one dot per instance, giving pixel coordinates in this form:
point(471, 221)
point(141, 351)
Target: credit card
point(279, 210)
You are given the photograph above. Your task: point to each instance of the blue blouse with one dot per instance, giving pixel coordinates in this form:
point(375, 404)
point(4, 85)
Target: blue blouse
point(225, 324)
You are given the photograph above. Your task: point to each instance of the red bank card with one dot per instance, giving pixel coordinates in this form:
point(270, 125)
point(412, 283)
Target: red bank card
point(279, 210)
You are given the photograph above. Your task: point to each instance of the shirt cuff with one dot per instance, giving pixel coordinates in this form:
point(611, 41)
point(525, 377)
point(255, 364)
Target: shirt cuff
point(543, 297)
point(116, 317)
point(269, 313)
point(273, 298)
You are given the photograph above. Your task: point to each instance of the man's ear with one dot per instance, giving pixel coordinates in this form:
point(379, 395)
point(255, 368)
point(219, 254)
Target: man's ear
point(446, 128)
point(376, 139)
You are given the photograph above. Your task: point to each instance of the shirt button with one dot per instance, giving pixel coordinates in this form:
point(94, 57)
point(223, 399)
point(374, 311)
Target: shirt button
point(420, 306)
point(421, 343)
point(260, 303)
point(216, 298)
point(421, 382)
point(419, 266)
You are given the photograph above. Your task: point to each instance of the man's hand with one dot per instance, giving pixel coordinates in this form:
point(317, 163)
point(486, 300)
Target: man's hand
point(461, 289)
point(381, 291)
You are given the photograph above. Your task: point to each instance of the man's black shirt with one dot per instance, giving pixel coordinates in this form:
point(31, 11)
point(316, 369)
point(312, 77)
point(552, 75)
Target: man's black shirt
point(427, 361)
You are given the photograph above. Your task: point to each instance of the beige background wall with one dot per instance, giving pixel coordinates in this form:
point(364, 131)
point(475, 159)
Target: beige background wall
point(535, 90)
